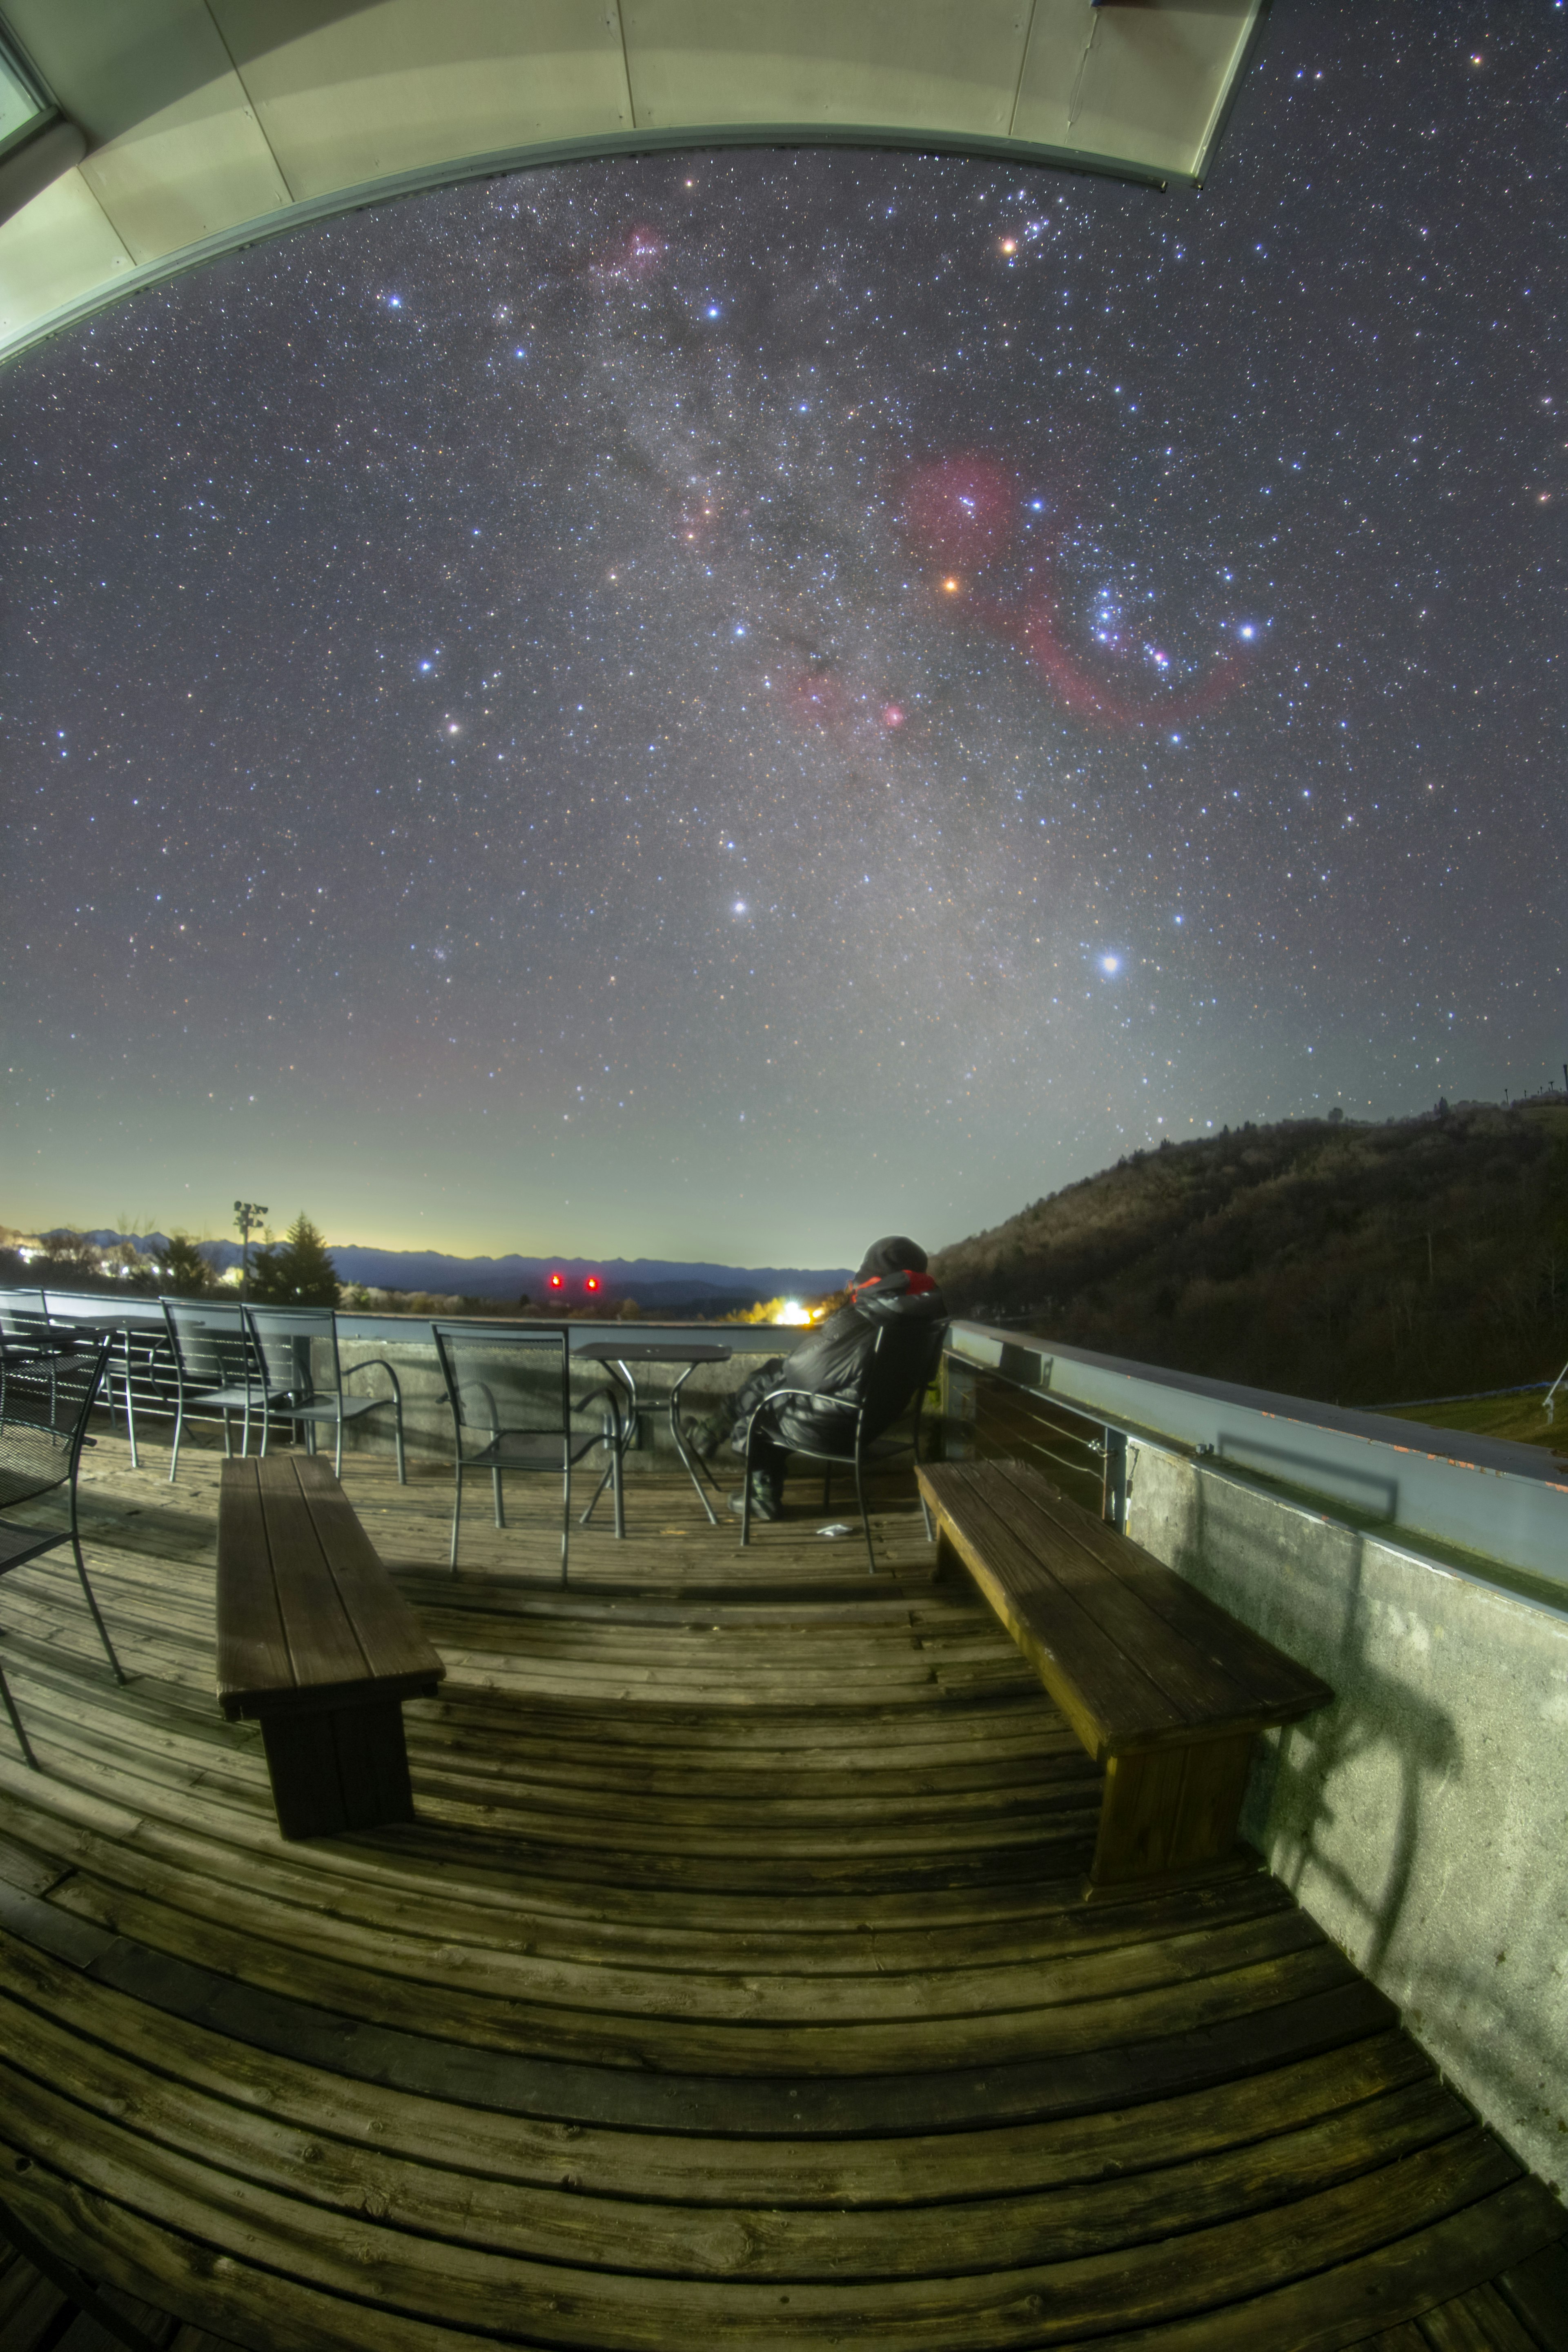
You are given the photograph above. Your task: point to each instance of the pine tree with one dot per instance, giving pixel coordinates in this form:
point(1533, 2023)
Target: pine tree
point(297, 1272)
point(183, 1271)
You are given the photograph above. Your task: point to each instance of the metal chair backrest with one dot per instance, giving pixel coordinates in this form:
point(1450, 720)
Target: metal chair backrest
point(23, 1313)
point(212, 1348)
point(904, 1363)
point(87, 1309)
point(297, 1350)
point(45, 1426)
point(513, 1377)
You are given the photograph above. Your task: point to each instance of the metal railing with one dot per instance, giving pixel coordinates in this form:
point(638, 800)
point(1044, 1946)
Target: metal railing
point(1468, 1500)
point(141, 1386)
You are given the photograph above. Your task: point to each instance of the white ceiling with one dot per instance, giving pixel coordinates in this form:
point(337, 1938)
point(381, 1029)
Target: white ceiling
point(209, 122)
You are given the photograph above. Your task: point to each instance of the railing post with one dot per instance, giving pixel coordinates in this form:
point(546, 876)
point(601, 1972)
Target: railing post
point(957, 1410)
point(1114, 1494)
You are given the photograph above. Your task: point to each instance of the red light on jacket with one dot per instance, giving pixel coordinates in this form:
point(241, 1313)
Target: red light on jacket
point(591, 1282)
point(558, 1282)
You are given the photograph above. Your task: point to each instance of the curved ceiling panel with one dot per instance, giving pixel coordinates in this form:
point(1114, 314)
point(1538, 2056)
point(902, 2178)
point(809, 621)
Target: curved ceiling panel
point(209, 123)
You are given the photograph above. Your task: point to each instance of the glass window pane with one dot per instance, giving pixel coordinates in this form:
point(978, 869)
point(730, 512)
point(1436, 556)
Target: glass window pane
point(19, 108)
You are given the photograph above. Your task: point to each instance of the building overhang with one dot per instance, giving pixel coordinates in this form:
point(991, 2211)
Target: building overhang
point(144, 141)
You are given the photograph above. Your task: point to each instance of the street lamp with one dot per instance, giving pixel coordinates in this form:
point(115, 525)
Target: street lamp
point(247, 1218)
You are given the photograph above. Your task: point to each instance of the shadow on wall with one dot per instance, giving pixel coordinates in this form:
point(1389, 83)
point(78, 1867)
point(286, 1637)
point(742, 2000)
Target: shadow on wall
point(1423, 1818)
point(1377, 1720)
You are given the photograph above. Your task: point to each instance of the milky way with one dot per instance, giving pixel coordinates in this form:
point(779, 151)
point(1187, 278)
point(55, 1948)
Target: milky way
point(714, 705)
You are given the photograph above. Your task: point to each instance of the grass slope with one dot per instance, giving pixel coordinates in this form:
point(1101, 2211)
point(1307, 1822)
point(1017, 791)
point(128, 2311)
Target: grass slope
point(1354, 1263)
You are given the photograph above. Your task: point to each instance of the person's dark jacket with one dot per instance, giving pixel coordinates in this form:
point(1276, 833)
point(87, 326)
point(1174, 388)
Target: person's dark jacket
point(839, 1359)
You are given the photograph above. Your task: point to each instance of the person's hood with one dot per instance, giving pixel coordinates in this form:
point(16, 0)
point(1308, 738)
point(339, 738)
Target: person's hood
point(905, 1291)
point(894, 1253)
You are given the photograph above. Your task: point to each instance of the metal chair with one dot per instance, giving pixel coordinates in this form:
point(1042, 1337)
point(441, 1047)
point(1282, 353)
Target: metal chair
point(510, 1394)
point(23, 1314)
point(28, 1334)
point(296, 1347)
point(48, 1402)
point(140, 1358)
point(894, 1381)
point(24, 1319)
point(216, 1368)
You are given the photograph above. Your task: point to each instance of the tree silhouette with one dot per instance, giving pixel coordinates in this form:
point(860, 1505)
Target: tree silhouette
point(297, 1271)
point(183, 1271)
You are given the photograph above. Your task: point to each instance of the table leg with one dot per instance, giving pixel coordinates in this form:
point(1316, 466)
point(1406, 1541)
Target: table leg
point(677, 1434)
point(618, 1444)
point(130, 1402)
point(621, 1375)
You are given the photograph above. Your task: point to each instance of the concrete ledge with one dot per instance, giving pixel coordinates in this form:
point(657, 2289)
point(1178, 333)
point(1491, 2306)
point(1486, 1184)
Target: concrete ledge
point(1423, 1818)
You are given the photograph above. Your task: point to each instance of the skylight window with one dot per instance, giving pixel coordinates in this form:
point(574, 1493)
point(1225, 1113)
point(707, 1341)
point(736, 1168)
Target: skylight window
point(23, 106)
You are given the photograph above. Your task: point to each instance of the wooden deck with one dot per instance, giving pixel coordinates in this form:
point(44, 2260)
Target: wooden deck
point(733, 1988)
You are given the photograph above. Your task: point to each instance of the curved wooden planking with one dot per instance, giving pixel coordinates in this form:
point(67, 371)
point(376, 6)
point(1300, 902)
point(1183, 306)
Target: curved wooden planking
point(732, 1986)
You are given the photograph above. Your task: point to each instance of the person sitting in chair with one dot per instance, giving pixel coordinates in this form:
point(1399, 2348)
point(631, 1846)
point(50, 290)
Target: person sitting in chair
point(893, 1295)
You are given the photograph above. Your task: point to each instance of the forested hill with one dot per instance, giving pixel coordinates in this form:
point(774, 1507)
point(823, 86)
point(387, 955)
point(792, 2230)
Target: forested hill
point(1356, 1264)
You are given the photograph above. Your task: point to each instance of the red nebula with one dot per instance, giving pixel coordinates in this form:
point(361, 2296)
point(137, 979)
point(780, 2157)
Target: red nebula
point(1032, 627)
point(635, 253)
point(892, 716)
point(959, 510)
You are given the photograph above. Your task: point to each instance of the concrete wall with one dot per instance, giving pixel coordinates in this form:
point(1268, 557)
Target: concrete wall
point(1423, 1818)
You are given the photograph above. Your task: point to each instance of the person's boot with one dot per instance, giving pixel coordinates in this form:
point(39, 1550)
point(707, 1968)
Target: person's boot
point(767, 1502)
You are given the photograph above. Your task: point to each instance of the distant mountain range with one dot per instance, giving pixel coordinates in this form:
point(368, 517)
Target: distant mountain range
point(651, 1281)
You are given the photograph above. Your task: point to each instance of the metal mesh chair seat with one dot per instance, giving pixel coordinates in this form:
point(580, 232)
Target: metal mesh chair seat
point(302, 1377)
point(510, 1395)
point(35, 1454)
point(17, 1544)
point(876, 1449)
point(42, 1433)
point(525, 1449)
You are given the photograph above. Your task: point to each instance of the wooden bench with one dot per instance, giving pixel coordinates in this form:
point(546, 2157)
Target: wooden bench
point(315, 1641)
point(1165, 1691)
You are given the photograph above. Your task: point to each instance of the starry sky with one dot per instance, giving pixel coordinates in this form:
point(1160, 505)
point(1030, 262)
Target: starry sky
point(714, 706)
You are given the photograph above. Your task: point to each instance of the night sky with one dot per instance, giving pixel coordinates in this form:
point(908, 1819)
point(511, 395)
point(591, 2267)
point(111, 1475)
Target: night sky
point(718, 706)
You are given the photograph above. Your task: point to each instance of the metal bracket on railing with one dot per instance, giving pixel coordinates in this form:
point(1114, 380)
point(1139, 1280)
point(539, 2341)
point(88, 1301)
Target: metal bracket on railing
point(1113, 1492)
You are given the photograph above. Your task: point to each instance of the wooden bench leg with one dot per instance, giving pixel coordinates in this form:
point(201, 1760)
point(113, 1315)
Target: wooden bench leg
point(1170, 1809)
point(338, 1769)
point(947, 1562)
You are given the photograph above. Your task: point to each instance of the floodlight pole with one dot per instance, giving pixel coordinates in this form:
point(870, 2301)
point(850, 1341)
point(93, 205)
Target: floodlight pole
point(247, 1218)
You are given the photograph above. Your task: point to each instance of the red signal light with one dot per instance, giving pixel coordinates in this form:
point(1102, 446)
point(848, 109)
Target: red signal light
point(591, 1282)
point(558, 1282)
